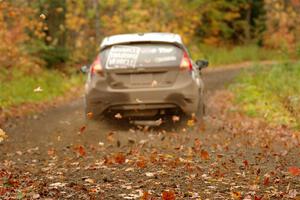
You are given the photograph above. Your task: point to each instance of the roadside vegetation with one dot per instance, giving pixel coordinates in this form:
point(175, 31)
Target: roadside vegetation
point(18, 87)
point(220, 56)
point(271, 92)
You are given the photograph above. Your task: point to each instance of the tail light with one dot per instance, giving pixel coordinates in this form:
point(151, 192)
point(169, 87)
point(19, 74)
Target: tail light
point(96, 67)
point(186, 62)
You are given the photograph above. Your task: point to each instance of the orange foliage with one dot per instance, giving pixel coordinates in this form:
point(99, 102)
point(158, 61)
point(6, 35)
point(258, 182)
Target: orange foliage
point(15, 23)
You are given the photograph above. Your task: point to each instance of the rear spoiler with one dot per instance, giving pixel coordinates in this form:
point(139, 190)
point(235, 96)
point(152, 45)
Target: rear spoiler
point(102, 47)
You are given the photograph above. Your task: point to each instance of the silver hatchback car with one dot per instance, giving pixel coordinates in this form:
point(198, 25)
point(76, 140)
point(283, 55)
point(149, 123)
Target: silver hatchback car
point(144, 75)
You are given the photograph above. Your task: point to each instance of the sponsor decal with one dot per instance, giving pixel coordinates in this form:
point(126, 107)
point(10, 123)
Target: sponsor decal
point(122, 56)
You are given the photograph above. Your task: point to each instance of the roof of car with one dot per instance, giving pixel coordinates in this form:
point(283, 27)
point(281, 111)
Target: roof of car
point(141, 37)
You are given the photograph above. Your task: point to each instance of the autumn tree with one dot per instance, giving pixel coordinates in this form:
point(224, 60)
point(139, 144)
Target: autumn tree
point(18, 27)
point(283, 19)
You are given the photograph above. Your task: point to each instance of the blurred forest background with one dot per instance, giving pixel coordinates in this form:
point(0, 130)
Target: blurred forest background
point(59, 33)
point(44, 42)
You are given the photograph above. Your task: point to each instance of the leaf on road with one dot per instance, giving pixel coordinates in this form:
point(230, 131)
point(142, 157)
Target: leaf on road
point(154, 83)
point(175, 118)
point(257, 198)
point(57, 185)
point(51, 152)
point(141, 163)
point(204, 155)
point(80, 150)
point(149, 174)
point(120, 158)
point(266, 181)
point(191, 123)
point(246, 163)
point(90, 115)
point(295, 171)
point(43, 16)
point(82, 129)
point(89, 180)
point(236, 195)
point(146, 196)
point(118, 116)
point(168, 195)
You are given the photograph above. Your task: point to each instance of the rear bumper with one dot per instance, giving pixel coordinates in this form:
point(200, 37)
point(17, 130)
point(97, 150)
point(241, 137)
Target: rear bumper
point(100, 97)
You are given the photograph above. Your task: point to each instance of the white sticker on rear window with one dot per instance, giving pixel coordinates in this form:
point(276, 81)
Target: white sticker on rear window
point(165, 59)
point(122, 56)
point(165, 49)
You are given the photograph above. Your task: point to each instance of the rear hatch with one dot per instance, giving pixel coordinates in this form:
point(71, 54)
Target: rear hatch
point(141, 65)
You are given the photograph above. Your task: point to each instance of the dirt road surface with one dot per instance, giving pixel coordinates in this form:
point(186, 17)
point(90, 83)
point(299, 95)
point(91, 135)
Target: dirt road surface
point(58, 155)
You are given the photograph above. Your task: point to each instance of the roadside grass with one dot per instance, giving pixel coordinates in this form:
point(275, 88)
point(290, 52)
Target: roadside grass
point(18, 87)
point(272, 92)
point(218, 56)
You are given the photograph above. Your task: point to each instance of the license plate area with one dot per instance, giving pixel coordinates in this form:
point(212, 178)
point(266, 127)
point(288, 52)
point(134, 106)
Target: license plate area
point(141, 79)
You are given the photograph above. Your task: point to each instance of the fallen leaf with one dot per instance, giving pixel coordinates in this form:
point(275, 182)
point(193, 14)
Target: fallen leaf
point(101, 144)
point(154, 83)
point(295, 171)
point(82, 129)
point(38, 89)
point(168, 195)
point(149, 174)
point(130, 169)
point(141, 163)
point(43, 16)
point(248, 197)
point(158, 122)
point(236, 195)
point(51, 152)
point(191, 123)
point(204, 155)
point(246, 163)
point(138, 101)
point(89, 180)
point(80, 150)
point(90, 115)
point(57, 185)
point(257, 198)
point(35, 196)
point(145, 196)
point(118, 116)
point(175, 118)
point(120, 158)
point(266, 181)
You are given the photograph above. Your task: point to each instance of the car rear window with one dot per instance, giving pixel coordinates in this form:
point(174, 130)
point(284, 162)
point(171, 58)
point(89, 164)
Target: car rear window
point(141, 55)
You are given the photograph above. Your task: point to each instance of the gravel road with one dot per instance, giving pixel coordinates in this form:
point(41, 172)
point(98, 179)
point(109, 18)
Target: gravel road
point(57, 155)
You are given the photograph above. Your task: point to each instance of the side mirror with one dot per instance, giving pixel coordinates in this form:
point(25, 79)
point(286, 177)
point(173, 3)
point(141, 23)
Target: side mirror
point(202, 64)
point(84, 69)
